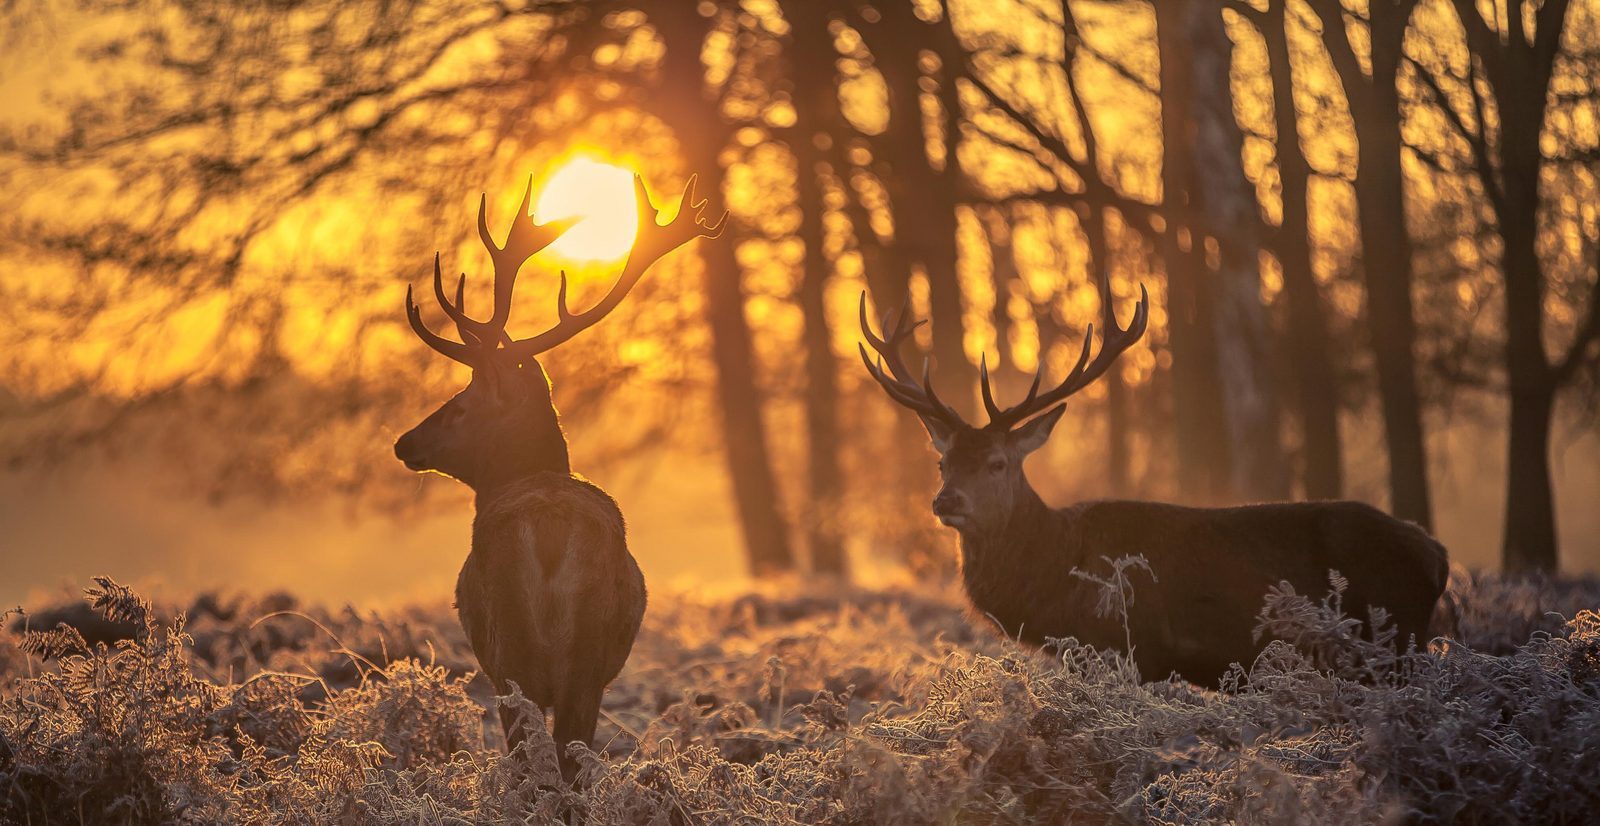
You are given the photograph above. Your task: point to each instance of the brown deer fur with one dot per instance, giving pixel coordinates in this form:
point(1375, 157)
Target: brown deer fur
point(1212, 567)
point(549, 595)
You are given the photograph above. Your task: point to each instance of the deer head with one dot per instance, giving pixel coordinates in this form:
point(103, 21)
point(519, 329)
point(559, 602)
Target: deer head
point(981, 467)
point(503, 426)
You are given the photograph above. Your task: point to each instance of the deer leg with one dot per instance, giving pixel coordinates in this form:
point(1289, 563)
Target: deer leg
point(577, 714)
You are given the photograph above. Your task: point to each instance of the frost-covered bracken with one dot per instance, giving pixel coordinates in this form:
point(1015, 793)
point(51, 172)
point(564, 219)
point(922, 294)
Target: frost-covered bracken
point(854, 707)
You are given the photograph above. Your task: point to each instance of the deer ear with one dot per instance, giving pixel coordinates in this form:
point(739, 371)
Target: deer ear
point(1034, 434)
point(942, 435)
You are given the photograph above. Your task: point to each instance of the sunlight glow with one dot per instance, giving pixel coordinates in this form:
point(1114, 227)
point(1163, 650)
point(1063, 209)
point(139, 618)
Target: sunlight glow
point(601, 194)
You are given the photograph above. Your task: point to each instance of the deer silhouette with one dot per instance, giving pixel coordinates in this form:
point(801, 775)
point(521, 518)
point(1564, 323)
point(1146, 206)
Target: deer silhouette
point(1211, 567)
point(549, 595)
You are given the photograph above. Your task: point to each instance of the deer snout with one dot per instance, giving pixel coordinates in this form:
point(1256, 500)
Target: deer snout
point(408, 450)
point(950, 507)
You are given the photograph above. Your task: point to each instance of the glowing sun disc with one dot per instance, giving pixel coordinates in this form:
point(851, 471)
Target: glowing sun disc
point(601, 195)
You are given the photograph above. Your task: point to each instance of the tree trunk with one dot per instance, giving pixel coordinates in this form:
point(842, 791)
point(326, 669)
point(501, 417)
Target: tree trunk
point(755, 491)
point(822, 388)
point(681, 104)
point(1530, 531)
point(1230, 217)
point(812, 70)
point(1003, 276)
point(1519, 64)
point(1316, 387)
point(923, 197)
point(1205, 463)
point(1386, 260)
point(1385, 239)
point(888, 277)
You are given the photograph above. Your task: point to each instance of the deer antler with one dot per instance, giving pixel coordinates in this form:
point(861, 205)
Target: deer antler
point(904, 389)
point(480, 339)
point(523, 240)
point(1114, 341)
point(653, 241)
point(901, 386)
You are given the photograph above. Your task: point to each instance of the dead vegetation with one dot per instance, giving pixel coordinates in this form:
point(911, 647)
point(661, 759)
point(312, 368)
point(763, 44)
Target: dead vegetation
point(858, 707)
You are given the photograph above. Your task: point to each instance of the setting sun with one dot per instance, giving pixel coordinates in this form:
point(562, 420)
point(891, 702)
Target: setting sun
point(600, 194)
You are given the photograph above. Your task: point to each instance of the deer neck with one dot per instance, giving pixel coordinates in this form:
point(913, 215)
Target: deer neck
point(543, 451)
point(1029, 529)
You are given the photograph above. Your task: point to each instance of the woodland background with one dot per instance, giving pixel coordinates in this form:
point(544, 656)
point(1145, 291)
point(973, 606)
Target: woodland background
point(1370, 231)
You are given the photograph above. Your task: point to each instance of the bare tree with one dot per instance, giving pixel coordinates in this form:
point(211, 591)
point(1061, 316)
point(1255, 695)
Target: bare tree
point(814, 91)
point(682, 100)
point(1308, 344)
point(1505, 100)
point(923, 190)
point(1089, 188)
point(1386, 247)
point(1231, 219)
point(225, 130)
point(1205, 460)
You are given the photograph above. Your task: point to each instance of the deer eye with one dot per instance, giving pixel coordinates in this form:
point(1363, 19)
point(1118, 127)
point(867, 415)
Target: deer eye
point(997, 465)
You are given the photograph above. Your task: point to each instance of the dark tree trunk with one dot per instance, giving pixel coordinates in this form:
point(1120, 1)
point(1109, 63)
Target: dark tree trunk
point(1230, 218)
point(1385, 239)
point(1521, 85)
point(1530, 532)
point(888, 277)
point(883, 263)
point(922, 196)
point(680, 102)
point(755, 491)
point(1519, 64)
point(1316, 387)
point(822, 389)
point(1386, 266)
point(1205, 463)
point(814, 95)
point(1003, 275)
point(1093, 220)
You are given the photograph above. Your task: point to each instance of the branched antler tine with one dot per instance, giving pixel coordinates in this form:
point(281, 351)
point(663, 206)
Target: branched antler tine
point(983, 385)
point(945, 410)
point(1116, 340)
point(881, 345)
point(451, 349)
point(656, 240)
point(456, 310)
point(705, 230)
point(904, 394)
point(1033, 389)
point(902, 388)
point(1083, 355)
point(562, 311)
point(1141, 314)
point(1113, 342)
point(902, 316)
point(866, 327)
point(876, 371)
point(524, 239)
point(652, 243)
point(888, 346)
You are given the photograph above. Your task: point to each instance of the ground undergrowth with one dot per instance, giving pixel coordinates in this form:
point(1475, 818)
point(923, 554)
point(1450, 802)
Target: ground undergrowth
point(844, 707)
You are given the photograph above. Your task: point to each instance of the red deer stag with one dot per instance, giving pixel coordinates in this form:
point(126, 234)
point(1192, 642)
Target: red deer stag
point(1211, 567)
point(549, 596)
